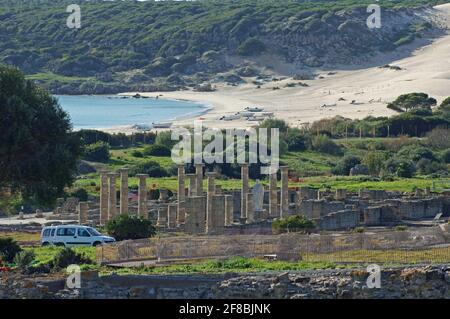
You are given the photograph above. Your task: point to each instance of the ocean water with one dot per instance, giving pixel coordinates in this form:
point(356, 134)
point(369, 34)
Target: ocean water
point(88, 112)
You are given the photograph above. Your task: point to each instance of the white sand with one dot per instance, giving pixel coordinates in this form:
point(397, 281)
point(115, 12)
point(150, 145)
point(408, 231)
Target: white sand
point(426, 70)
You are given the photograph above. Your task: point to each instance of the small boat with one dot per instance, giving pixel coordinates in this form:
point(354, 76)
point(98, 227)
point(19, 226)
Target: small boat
point(162, 125)
point(254, 109)
point(230, 117)
point(246, 114)
point(141, 127)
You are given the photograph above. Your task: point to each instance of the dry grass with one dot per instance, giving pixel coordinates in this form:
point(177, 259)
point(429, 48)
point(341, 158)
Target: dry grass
point(22, 237)
point(431, 255)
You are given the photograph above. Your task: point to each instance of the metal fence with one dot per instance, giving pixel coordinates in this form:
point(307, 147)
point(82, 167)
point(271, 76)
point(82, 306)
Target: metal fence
point(424, 245)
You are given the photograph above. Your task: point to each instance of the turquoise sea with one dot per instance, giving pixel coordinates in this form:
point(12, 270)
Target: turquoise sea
point(88, 112)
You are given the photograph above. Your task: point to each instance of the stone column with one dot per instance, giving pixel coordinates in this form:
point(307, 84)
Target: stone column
point(209, 201)
point(199, 181)
point(83, 209)
point(319, 195)
point(112, 196)
point(273, 196)
point(284, 212)
point(124, 190)
point(195, 215)
point(341, 194)
point(39, 213)
point(229, 210)
point(162, 218)
point(250, 209)
point(142, 195)
point(103, 198)
point(218, 212)
point(192, 191)
point(181, 195)
point(172, 216)
point(244, 190)
point(218, 190)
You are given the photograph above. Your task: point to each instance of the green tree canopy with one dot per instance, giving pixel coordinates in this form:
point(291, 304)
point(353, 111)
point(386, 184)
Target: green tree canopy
point(38, 151)
point(410, 101)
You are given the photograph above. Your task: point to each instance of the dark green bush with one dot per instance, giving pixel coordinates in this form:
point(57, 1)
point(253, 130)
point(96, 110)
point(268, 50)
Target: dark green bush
point(23, 260)
point(67, 257)
point(80, 193)
point(152, 168)
point(405, 169)
point(296, 140)
point(293, 224)
point(157, 150)
point(252, 46)
point(165, 139)
point(399, 167)
point(125, 227)
point(415, 153)
point(446, 156)
point(426, 166)
point(344, 165)
point(97, 152)
point(324, 144)
point(8, 249)
point(137, 153)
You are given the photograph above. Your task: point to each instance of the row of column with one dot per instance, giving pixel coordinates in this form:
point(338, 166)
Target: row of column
point(108, 195)
point(247, 204)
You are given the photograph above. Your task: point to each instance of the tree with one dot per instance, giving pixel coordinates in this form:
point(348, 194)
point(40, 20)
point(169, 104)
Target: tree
point(344, 165)
point(409, 101)
point(38, 151)
point(439, 138)
point(374, 162)
point(157, 150)
point(445, 104)
point(130, 227)
point(165, 138)
point(324, 144)
point(97, 152)
point(152, 168)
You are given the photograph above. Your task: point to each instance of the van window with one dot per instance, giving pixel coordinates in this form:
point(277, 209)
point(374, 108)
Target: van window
point(47, 233)
point(53, 232)
point(83, 232)
point(66, 232)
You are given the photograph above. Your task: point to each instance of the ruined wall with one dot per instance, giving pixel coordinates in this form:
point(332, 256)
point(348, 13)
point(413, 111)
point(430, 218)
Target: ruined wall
point(414, 282)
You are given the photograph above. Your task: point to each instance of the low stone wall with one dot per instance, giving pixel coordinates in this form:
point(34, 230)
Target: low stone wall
point(417, 282)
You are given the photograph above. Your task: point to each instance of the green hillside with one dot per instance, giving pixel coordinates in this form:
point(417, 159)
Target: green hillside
point(154, 45)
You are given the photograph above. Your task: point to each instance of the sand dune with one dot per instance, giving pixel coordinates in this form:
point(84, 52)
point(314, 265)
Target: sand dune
point(426, 70)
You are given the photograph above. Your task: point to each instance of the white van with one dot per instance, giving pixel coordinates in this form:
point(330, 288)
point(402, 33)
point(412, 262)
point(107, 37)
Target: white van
point(73, 235)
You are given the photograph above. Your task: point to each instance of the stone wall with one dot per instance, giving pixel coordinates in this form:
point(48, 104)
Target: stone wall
point(415, 282)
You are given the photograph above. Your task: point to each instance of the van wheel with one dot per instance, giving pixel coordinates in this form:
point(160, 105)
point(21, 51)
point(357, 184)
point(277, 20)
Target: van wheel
point(97, 243)
point(45, 244)
point(60, 245)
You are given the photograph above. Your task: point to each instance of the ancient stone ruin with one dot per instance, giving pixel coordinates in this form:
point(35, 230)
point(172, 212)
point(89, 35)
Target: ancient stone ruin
point(195, 210)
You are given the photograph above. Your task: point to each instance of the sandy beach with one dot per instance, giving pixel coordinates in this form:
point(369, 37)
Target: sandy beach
point(370, 88)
